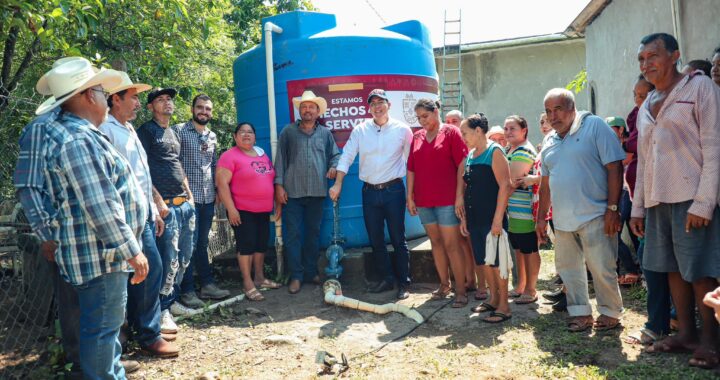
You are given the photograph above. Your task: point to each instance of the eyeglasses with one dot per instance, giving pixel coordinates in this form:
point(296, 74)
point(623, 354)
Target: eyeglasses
point(102, 91)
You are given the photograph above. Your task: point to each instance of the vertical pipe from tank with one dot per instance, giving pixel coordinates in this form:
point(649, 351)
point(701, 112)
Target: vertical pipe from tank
point(270, 74)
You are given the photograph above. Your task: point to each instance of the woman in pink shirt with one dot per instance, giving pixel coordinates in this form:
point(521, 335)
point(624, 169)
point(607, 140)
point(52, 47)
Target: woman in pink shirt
point(434, 180)
point(244, 180)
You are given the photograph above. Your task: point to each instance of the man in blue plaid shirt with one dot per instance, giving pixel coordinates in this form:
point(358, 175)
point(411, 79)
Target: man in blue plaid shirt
point(99, 213)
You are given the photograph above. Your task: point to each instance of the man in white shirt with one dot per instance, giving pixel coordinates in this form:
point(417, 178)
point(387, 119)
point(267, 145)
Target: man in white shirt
point(143, 306)
point(384, 145)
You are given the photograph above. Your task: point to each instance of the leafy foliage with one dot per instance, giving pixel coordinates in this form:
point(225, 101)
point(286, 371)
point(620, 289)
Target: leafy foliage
point(579, 82)
point(186, 44)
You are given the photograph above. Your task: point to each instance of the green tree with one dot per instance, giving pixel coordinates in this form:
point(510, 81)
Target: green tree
point(186, 44)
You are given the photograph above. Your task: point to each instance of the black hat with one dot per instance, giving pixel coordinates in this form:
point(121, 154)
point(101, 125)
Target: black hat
point(157, 91)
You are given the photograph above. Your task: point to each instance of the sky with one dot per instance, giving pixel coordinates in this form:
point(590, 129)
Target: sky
point(482, 20)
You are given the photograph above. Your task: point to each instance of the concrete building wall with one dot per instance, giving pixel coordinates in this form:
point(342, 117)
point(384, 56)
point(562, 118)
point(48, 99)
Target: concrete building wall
point(612, 41)
point(514, 80)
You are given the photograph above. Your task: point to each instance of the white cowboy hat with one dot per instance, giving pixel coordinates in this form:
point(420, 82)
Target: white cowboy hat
point(70, 77)
point(496, 130)
point(309, 96)
point(127, 84)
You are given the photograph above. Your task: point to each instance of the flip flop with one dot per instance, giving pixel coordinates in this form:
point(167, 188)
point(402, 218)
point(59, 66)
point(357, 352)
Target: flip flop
point(483, 307)
point(440, 294)
point(704, 358)
point(460, 301)
point(525, 299)
point(669, 345)
point(481, 295)
point(268, 284)
point(496, 314)
point(643, 337)
point(514, 294)
point(254, 295)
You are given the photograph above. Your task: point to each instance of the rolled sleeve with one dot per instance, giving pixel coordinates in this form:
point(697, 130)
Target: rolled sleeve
point(608, 144)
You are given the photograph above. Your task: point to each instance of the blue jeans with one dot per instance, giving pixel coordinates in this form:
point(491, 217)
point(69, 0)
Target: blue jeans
point(68, 306)
point(176, 247)
point(204, 213)
point(379, 207)
point(302, 254)
point(102, 312)
point(143, 306)
point(658, 298)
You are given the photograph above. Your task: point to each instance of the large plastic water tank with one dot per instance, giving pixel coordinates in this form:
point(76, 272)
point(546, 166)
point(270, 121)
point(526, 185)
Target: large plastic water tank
point(342, 65)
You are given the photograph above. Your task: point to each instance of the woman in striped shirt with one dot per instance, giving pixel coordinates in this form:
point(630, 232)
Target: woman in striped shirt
point(521, 227)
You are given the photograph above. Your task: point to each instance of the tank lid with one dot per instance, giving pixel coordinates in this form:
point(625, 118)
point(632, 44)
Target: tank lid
point(300, 24)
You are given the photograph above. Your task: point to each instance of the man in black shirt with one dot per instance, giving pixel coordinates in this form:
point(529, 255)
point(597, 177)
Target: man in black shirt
point(174, 199)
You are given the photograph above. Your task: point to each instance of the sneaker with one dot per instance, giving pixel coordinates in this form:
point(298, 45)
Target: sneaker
point(177, 309)
point(167, 324)
point(211, 291)
point(191, 300)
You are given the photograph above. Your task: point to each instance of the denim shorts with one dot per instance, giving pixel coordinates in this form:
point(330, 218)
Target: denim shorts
point(442, 215)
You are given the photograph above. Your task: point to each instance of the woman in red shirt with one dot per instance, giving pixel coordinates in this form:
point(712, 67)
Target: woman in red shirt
point(434, 177)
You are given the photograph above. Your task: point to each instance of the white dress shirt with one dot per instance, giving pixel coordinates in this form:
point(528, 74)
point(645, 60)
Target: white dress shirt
point(125, 140)
point(383, 151)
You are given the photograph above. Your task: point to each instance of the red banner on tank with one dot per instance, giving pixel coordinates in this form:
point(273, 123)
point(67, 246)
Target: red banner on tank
point(346, 97)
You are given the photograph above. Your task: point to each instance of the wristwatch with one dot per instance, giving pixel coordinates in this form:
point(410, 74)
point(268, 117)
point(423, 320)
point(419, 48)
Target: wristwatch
point(612, 207)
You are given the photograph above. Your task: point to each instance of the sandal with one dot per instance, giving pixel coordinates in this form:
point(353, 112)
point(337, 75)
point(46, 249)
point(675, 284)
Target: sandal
point(481, 295)
point(496, 314)
point(669, 345)
point(460, 301)
point(629, 279)
point(268, 284)
point(643, 337)
point(483, 307)
point(514, 294)
point(604, 323)
point(525, 299)
point(254, 295)
point(704, 358)
point(579, 324)
point(440, 294)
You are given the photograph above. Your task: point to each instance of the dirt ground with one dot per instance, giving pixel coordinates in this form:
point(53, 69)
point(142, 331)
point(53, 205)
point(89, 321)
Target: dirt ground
point(228, 343)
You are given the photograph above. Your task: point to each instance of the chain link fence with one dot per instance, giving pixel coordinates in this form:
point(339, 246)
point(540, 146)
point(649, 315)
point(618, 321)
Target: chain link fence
point(29, 332)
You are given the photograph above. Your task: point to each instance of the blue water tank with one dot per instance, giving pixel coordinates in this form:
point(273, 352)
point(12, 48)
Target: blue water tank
point(342, 65)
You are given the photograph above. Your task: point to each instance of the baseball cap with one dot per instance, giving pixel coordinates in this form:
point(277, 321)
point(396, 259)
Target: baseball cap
point(157, 91)
point(380, 93)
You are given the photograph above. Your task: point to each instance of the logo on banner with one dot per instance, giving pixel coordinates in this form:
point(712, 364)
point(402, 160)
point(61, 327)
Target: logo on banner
point(408, 105)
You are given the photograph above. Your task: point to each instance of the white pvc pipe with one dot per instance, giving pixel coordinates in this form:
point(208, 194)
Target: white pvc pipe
point(333, 296)
point(269, 28)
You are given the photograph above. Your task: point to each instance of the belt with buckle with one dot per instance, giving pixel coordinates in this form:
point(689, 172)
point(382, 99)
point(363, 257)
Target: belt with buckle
point(384, 185)
point(177, 201)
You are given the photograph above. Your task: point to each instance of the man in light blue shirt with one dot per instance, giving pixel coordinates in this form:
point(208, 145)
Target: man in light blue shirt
point(582, 175)
point(143, 304)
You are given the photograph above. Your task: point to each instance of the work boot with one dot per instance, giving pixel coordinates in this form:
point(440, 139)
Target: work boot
point(191, 300)
point(211, 291)
point(167, 324)
point(178, 309)
point(130, 366)
point(162, 349)
point(383, 286)
point(555, 296)
point(561, 305)
point(294, 286)
point(403, 292)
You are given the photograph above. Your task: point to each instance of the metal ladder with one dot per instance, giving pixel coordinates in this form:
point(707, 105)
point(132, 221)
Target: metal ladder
point(451, 80)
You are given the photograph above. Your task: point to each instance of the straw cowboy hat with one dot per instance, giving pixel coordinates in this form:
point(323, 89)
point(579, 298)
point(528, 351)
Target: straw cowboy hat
point(70, 76)
point(496, 130)
point(127, 84)
point(309, 96)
